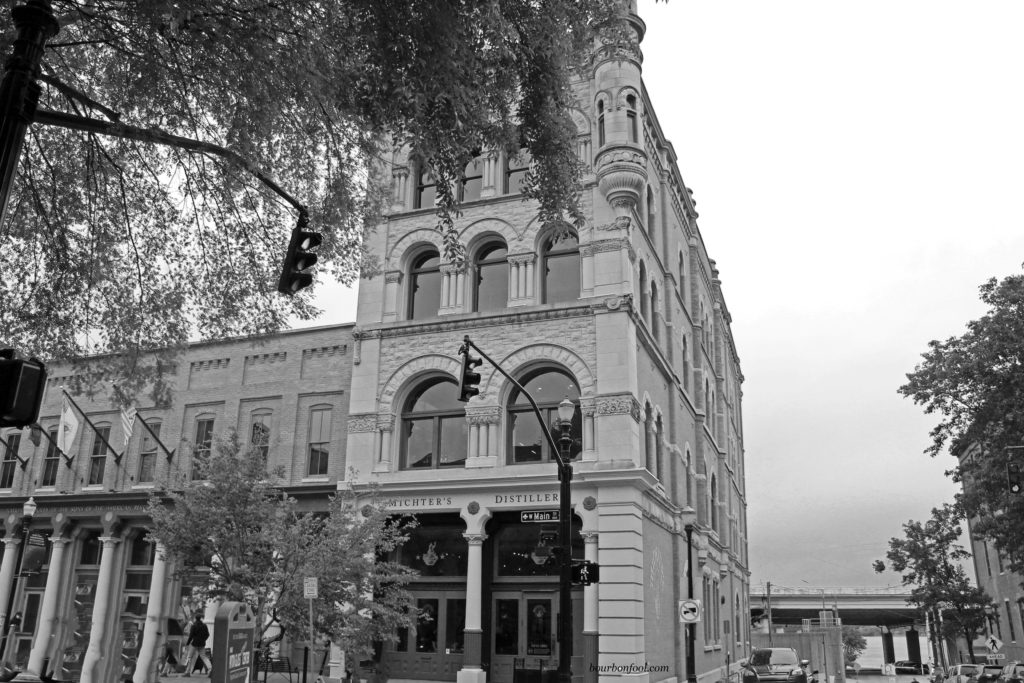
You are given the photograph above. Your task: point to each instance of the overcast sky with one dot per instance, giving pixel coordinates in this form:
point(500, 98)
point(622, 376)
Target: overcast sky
point(858, 168)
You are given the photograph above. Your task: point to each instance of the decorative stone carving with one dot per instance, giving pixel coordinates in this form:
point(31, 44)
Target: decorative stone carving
point(453, 268)
point(588, 406)
point(366, 510)
point(623, 404)
point(473, 507)
point(393, 276)
point(521, 259)
point(475, 539)
point(622, 177)
point(589, 503)
point(386, 422)
point(366, 422)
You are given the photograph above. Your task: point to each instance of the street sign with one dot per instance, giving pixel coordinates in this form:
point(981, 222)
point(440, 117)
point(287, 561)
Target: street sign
point(995, 657)
point(689, 611)
point(538, 516)
point(993, 644)
point(310, 588)
point(586, 573)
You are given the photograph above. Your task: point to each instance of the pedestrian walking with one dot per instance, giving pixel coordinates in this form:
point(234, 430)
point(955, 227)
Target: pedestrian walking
point(196, 643)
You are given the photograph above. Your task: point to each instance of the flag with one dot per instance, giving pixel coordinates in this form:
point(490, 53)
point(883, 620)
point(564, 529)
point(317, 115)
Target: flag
point(127, 425)
point(68, 427)
point(35, 435)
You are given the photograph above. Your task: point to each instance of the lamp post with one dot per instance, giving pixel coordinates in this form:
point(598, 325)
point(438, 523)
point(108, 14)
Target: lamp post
point(566, 409)
point(28, 511)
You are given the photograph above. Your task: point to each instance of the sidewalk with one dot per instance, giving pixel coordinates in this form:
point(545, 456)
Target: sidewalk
point(271, 678)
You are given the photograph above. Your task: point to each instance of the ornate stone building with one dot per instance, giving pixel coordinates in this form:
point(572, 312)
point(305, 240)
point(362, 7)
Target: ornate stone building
point(625, 317)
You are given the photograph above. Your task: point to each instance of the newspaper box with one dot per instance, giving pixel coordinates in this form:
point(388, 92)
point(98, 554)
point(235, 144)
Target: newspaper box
point(234, 629)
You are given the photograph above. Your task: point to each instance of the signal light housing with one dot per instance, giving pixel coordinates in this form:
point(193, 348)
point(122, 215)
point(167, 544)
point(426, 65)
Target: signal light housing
point(299, 258)
point(469, 380)
point(22, 383)
point(1014, 480)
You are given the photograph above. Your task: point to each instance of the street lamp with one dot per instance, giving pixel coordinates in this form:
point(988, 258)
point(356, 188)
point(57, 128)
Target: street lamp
point(28, 511)
point(566, 410)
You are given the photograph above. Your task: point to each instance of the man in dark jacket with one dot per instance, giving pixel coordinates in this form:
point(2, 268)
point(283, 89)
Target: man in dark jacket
point(196, 643)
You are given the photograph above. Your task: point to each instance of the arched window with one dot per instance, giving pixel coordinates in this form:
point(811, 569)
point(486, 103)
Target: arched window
point(424, 286)
point(561, 269)
point(713, 504)
point(631, 120)
point(659, 449)
point(548, 387)
point(600, 123)
point(426, 187)
point(643, 293)
point(490, 287)
point(516, 167)
point(650, 212)
point(654, 310)
point(649, 448)
point(682, 275)
point(434, 432)
point(686, 363)
point(688, 479)
point(472, 181)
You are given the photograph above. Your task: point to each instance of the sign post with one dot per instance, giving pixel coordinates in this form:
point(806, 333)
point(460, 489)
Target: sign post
point(689, 611)
point(234, 630)
point(310, 591)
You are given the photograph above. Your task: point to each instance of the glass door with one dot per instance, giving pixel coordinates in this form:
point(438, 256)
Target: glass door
point(524, 640)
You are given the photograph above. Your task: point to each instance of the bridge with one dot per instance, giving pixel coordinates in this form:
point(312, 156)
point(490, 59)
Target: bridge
point(855, 606)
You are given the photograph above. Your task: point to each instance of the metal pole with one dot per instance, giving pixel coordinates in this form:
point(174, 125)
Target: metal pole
point(768, 594)
point(565, 570)
point(19, 92)
point(691, 633)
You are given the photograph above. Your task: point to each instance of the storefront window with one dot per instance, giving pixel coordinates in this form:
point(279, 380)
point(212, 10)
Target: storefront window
point(426, 627)
point(506, 627)
point(455, 626)
point(525, 549)
point(435, 551)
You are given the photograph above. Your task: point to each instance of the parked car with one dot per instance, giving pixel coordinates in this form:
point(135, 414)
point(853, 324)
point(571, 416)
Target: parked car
point(963, 673)
point(989, 673)
point(774, 665)
point(914, 668)
point(1012, 673)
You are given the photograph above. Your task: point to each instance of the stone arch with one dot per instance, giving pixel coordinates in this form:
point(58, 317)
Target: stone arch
point(541, 236)
point(403, 376)
point(494, 384)
point(496, 226)
point(623, 93)
point(398, 255)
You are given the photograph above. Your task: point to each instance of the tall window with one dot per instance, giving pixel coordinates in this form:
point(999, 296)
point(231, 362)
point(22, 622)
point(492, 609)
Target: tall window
point(643, 292)
point(682, 276)
point(425, 286)
point(319, 441)
point(472, 180)
point(490, 292)
point(654, 310)
point(51, 460)
point(1009, 620)
point(426, 187)
point(434, 431)
point(600, 123)
point(515, 171)
point(10, 460)
point(259, 434)
point(548, 387)
point(686, 363)
point(147, 455)
point(650, 212)
point(561, 269)
point(202, 447)
point(631, 121)
point(713, 504)
point(98, 456)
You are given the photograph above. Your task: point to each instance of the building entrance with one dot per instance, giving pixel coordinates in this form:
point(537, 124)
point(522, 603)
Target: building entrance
point(524, 634)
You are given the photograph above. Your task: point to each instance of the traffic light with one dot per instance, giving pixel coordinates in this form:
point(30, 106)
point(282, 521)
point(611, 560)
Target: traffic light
point(1013, 477)
point(21, 389)
point(585, 573)
point(299, 259)
point(469, 380)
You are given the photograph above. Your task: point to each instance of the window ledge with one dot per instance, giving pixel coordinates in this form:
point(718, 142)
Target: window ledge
point(93, 487)
point(143, 486)
point(45, 489)
point(317, 478)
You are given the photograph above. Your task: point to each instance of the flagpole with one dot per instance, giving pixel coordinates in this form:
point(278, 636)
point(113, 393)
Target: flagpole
point(67, 460)
point(117, 456)
point(170, 454)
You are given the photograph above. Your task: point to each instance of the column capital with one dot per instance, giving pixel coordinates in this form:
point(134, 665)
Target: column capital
point(589, 536)
point(475, 539)
point(109, 541)
point(12, 541)
point(58, 541)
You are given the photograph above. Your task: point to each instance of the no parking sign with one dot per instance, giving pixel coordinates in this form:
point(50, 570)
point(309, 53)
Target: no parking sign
point(689, 611)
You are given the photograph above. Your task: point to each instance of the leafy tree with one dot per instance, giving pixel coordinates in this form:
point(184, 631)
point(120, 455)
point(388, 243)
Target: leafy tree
point(930, 558)
point(854, 644)
point(975, 382)
point(115, 245)
point(248, 541)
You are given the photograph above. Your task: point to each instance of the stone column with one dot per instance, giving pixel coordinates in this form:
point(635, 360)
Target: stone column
point(492, 438)
point(92, 666)
point(385, 426)
point(491, 181)
point(513, 280)
point(392, 285)
point(400, 182)
point(472, 670)
point(7, 569)
point(446, 286)
point(590, 611)
point(145, 667)
point(460, 287)
point(48, 610)
point(474, 439)
point(529, 277)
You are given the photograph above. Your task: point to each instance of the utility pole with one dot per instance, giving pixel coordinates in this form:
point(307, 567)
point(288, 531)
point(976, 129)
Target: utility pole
point(768, 595)
point(691, 629)
point(19, 92)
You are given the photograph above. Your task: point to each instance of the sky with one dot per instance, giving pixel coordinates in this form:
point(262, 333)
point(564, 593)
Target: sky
point(858, 170)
